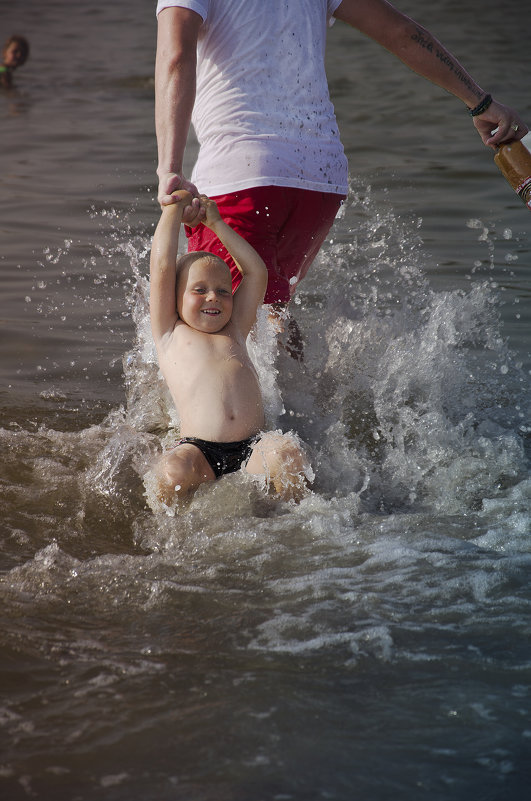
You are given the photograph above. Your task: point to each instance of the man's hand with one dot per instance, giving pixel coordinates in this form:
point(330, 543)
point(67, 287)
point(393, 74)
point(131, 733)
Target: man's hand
point(169, 183)
point(506, 124)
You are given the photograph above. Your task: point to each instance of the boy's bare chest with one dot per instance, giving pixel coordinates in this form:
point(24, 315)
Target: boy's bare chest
point(192, 353)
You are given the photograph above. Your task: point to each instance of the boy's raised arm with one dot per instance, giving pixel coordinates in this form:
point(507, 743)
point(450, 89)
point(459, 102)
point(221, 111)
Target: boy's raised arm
point(251, 291)
point(162, 301)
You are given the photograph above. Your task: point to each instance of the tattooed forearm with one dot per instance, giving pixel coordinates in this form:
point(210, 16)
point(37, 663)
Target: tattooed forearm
point(423, 39)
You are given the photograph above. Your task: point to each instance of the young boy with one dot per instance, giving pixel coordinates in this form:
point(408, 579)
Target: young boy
point(14, 54)
point(200, 331)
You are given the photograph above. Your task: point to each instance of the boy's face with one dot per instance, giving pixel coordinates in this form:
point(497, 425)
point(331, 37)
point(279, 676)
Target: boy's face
point(13, 55)
point(204, 295)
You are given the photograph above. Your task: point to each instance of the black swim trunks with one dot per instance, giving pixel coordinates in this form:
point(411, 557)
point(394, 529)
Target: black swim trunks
point(223, 457)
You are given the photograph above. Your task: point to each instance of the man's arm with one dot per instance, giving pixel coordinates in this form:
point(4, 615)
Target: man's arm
point(175, 77)
point(423, 53)
point(251, 291)
point(162, 299)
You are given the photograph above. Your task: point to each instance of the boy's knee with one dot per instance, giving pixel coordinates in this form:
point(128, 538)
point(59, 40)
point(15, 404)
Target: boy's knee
point(168, 479)
point(170, 473)
point(287, 466)
point(285, 449)
point(179, 473)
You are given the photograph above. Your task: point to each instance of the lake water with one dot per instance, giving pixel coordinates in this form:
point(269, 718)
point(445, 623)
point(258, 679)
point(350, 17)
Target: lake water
point(372, 643)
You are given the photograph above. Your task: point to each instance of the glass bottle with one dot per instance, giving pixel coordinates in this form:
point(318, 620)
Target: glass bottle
point(514, 161)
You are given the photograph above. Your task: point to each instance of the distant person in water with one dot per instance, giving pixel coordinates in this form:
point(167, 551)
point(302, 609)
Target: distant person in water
point(200, 329)
point(14, 54)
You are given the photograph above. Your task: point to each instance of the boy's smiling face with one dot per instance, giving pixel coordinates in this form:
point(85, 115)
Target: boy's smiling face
point(204, 294)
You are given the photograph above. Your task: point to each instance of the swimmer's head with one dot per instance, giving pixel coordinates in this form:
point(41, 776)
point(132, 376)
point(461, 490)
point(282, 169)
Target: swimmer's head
point(15, 52)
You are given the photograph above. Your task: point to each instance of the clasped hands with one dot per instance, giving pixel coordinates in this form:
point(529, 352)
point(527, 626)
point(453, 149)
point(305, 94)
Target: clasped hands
point(173, 187)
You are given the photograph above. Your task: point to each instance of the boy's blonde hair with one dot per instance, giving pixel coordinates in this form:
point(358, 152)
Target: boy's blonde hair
point(187, 259)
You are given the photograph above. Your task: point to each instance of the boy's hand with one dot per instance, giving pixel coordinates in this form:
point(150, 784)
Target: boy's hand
point(210, 211)
point(181, 196)
point(192, 213)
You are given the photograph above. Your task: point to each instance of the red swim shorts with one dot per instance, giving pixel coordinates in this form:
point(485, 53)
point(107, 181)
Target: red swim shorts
point(286, 226)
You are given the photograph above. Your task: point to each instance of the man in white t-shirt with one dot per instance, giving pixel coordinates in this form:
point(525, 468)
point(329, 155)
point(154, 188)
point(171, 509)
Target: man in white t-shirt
point(250, 76)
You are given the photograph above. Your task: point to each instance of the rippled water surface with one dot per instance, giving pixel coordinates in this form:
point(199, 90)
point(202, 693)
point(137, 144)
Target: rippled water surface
point(372, 642)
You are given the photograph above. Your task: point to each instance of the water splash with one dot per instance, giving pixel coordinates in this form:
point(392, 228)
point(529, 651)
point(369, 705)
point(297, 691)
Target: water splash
point(408, 398)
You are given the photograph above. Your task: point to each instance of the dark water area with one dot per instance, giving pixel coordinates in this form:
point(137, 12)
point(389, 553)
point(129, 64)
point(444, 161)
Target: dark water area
point(372, 642)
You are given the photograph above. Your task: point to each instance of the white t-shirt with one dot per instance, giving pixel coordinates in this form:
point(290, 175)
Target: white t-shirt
point(262, 114)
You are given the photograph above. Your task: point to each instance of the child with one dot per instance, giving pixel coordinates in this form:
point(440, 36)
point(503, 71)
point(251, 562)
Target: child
point(14, 54)
point(200, 331)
